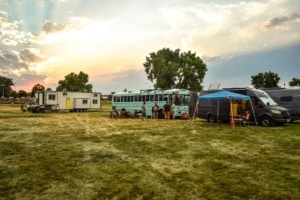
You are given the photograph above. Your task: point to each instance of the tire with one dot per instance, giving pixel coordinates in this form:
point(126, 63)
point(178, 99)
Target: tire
point(211, 119)
point(266, 121)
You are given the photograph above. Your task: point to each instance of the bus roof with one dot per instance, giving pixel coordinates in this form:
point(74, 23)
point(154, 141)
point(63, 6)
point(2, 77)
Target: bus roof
point(153, 91)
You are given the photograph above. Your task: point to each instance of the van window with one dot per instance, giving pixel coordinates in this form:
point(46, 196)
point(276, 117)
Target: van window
point(286, 98)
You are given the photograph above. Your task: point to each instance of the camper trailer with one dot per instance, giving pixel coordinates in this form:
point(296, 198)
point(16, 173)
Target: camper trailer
point(263, 108)
point(288, 98)
point(65, 100)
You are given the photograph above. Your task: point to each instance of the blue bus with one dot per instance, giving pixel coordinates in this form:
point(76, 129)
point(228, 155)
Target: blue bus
point(131, 102)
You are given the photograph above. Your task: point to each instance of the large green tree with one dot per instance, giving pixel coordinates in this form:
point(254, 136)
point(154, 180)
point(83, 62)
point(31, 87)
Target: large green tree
point(174, 69)
point(5, 86)
point(75, 82)
point(294, 82)
point(265, 80)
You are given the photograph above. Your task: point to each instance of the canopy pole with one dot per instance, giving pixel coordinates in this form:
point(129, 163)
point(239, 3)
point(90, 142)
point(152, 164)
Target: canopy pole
point(196, 109)
point(253, 112)
point(232, 122)
point(218, 111)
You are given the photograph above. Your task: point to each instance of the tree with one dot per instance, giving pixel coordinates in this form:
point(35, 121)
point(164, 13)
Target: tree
point(22, 93)
point(75, 82)
point(5, 86)
point(173, 69)
point(294, 82)
point(37, 87)
point(265, 80)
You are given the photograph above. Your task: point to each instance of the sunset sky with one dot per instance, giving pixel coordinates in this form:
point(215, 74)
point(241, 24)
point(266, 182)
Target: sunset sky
point(41, 41)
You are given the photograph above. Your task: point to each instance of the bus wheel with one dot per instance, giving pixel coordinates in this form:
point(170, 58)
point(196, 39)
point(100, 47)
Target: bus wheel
point(266, 121)
point(211, 119)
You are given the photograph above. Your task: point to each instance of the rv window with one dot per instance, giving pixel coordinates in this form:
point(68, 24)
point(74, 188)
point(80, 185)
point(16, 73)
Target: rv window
point(65, 94)
point(51, 96)
point(286, 98)
point(95, 101)
point(84, 101)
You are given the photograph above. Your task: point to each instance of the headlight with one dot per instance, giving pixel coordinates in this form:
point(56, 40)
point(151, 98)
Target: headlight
point(276, 111)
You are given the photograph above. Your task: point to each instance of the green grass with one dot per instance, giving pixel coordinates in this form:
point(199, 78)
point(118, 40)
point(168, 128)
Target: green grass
point(89, 156)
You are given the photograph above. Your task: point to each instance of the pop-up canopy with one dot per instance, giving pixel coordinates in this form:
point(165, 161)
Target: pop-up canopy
point(224, 94)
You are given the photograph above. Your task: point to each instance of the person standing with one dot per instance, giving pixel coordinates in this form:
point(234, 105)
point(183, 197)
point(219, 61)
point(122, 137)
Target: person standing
point(144, 111)
point(167, 110)
point(173, 110)
point(156, 109)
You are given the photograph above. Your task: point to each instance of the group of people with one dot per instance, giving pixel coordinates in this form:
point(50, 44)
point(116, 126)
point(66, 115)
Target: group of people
point(168, 111)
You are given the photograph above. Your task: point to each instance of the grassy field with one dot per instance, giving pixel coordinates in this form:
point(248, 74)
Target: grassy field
point(89, 156)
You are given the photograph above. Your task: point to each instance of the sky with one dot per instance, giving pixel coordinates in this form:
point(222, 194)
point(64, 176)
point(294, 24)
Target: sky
point(42, 41)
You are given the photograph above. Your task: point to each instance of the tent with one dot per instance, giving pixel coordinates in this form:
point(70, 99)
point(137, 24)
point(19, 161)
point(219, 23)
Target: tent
point(224, 94)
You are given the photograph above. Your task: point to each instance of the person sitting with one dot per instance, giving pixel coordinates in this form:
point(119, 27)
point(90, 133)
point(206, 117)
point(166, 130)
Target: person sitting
point(246, 117)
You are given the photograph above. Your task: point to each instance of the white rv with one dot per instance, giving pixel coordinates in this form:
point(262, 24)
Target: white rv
point(65, 100)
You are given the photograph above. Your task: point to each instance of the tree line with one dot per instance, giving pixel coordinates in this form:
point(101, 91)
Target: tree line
point(165, 68)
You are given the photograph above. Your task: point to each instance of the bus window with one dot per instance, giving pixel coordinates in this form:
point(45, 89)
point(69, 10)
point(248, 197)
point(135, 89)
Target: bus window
point(151, 98)
point(117, 99)
point(177, 100)
point(158, 97)
point(146, 97)
point(165, 98)
point(187, 99)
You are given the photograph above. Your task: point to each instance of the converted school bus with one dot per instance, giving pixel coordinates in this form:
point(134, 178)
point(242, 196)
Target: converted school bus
point(65, 100)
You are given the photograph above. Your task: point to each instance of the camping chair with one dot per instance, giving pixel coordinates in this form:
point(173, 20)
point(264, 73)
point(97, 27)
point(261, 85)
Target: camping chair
point(245, 119)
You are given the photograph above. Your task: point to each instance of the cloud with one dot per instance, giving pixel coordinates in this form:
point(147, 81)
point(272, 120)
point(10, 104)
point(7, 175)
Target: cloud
point(51, 27)
point(278, 22)
point(3, 16)
point(10, 62)
point(10, 33)
point(31, 55)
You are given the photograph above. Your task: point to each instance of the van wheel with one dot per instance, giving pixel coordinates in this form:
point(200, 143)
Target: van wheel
point(211, 119)
point(266, 121)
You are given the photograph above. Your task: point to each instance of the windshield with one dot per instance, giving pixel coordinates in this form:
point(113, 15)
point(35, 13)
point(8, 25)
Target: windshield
point(182, 100)
point(265, 98)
